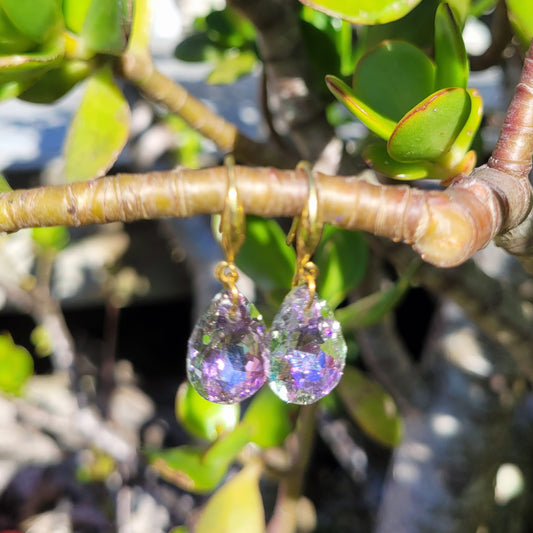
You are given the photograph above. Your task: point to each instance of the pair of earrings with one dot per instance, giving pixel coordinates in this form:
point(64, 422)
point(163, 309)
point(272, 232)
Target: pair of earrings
point(230, 354)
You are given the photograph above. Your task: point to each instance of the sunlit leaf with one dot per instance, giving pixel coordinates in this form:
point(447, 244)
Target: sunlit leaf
point(375, 121)
point(265, 256)
point(231, 67)
point(341, 258)
point(16, 366)
point(373, 308)
point(139, 39)
point(430, 128)
point(38, 19)
point(364, 11)
point(51, 238)
point(392, 78)
point(237, 507)
point(378, 158)
point(105, 25)
point(74, 12)
point(99, 129)
point(202, 418)
point(268, 418)
point(450, 54)
point(370, 407)
point(521, 17)
point(12, 41)
point(56, 82)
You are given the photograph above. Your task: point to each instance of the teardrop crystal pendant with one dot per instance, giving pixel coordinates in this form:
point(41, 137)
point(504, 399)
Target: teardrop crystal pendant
point(226, 355)
point(307, 349)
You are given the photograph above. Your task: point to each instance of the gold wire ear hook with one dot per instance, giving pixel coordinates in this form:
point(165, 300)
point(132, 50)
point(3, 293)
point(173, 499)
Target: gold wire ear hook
point(232, 227)
point(307, 229)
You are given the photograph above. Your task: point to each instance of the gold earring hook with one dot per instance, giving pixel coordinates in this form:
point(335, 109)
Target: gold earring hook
point(232, 227)
point(307, 229)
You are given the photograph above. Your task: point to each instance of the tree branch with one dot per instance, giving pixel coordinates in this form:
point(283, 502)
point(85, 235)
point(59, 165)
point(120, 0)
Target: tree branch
point(445, 227)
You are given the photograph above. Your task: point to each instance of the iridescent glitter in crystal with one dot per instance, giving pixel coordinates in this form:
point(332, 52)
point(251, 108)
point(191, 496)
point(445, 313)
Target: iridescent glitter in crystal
point(307, 349)
point(227, 351)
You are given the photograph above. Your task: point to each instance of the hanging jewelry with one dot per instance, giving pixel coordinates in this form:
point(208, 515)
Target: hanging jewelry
point(307, 348)
point(226, 356)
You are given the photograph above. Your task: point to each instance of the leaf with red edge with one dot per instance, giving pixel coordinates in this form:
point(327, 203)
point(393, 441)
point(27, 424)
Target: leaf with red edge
point(377, 157)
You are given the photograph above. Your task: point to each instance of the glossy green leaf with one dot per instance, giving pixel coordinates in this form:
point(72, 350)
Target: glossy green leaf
point(371, 309)
point(198, 47)
point(4, 185)
point(376, 122)
point(392, 78)
point(464, 139)
point(74, 13)
point(202, 418)
point(237, 507)
point(53, 238)
point(105, 26)
point(13, 41)
point(521, 18)
point(99, 129)
point(268, 418)
point(377, 157)
point(56, 82)
point(195, 468)
point(450, 55)
point(430, 128)
point(231, 67)
point(341, 258)
point(185, 467)
point(265, 256)
point(21, 70)
point(370, 407)
point(40, 20)
point(364, 11)
point(139, 38)
point(16, 366)
point(480, 7)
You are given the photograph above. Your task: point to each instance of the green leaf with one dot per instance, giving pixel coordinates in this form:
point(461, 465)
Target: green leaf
point(198, 47)
point(16, 366)
point(520, 14)
point(18, 72)
point(392, 78)
point(370, 407)
point(105, 26)
point(377, 157)
point(53, 238)
point(450, 54)
point(229, 28)
point(373, 308)
point(231, 67)
point(364, 11)
point(341, 258)
point(56, 82)
point(195, 468)
point(373, 120)
point(139, 39)
point(202, 418)
point(237, 507)
point(268, 418)
point(265, 256)
point(4, 185)
point(38, 19)
point(74, 13)
point(464, 139)
point(430, 128)
point(12, 41)
point(42, 341)
point(99, 129)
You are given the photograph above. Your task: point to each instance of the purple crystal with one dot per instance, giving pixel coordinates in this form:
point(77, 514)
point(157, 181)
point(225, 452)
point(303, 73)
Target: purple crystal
point(226, 355)
point(307, 349)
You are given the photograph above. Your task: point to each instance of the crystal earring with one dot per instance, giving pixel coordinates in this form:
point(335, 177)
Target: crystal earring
point(307, 348)
point(227, 350)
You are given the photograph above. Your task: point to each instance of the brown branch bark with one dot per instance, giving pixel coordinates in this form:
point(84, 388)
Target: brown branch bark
point(445, 227)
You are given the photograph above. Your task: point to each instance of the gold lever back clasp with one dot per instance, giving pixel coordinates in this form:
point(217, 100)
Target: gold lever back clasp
point(233, 230)
point(307, 229)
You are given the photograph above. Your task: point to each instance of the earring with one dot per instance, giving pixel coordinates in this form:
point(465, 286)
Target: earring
point(226, 356)
point(307, 348)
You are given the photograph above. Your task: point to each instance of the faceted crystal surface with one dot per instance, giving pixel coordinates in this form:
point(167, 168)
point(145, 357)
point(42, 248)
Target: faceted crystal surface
point(227, 351)
point(307, 349)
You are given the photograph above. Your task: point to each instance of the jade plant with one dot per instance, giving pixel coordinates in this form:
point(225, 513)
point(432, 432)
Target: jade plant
point(401, 68)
